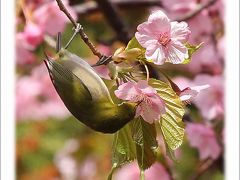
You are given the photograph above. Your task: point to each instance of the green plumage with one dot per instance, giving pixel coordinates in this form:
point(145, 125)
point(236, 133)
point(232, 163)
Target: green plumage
point(85, 94)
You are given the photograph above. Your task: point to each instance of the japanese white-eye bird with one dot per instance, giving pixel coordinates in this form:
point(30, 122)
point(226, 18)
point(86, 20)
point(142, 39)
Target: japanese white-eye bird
point(85, 94)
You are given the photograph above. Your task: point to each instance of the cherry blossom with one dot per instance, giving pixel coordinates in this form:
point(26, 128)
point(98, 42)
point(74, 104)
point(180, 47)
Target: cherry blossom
point(163, 40)
point(23, 51)
point(204, 139)
point(201, 25)
point(36, 98)
point(102, 71)
point(131, 171)
point(206, 60)
point(64, 161)
point(150, 106)
point(210, 101)
point(50, 18)
point(189, 93)
point(183, 87)
point(26, 90)
point(175, 4)
point(33, 34)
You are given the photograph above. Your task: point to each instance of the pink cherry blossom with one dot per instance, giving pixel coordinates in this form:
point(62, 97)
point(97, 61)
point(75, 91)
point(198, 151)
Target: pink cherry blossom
point(174, 4)
point(64, 161)
point(182, 82)
point(185, 90)
point(26, 90)
point(104, 49)
point(36, 98)
point(210, 101)
point(218, 8)
point(163, 40)
point(131, 172)
point(155, 171)
point(33, 34)
point(189, 93)
point(88, 169)
point(51, 19)
point(35, 3)
point(23, 51)
point(204, 139)
point(150, 106)
point(200, 25)
point(102, 71)
point(206, 59)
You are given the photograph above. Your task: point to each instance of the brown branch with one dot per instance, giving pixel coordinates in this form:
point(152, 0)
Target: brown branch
point(196, 11)
point(92, 6)
point(81, 32)
point(113, 18)
point(205, 166)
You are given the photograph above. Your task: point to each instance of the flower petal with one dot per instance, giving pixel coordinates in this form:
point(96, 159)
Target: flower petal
point(157, 54)
point(127, 91)
point(147, 113)
point(199, 88)
point(177, 53)
point(159, 22)
point(144, 39)
point(158, 104)
point(150, 106)
point(180, 31)
point(188, 95)
point(145, 88)
point(204, 139)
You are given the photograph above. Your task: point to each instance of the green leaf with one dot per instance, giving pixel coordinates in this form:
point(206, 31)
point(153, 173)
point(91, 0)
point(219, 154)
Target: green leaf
point(123, 148)
point(133, 43)
point(144, 136)
point(171, 123)
point(170, 153)
point(191, 49)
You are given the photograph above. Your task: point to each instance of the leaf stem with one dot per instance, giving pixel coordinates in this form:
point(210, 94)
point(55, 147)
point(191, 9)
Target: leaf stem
point(146, 68)
point(142, 176)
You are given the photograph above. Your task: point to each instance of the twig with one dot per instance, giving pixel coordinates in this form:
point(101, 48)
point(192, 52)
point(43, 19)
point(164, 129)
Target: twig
point(206, 165)
point(196, 11)
point(92, 6)
point(81, 32)
point(147, 71)
point(113, 18)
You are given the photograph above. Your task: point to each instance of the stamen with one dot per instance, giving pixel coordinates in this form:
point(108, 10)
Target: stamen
point(164, 38)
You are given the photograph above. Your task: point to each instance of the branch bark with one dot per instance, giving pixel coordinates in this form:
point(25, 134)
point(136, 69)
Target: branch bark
point(92, 6)
point(113, 18)
point(199, 9)
point(81, 32)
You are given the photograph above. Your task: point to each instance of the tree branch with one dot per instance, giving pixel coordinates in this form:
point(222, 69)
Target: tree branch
point(205, 166)
point(113, 18)
point(92, 6)
point(81, 32)
point(196, 11)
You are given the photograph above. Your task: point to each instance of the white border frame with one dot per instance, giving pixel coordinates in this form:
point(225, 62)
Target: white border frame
point(7, 90)
point(232, 91)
